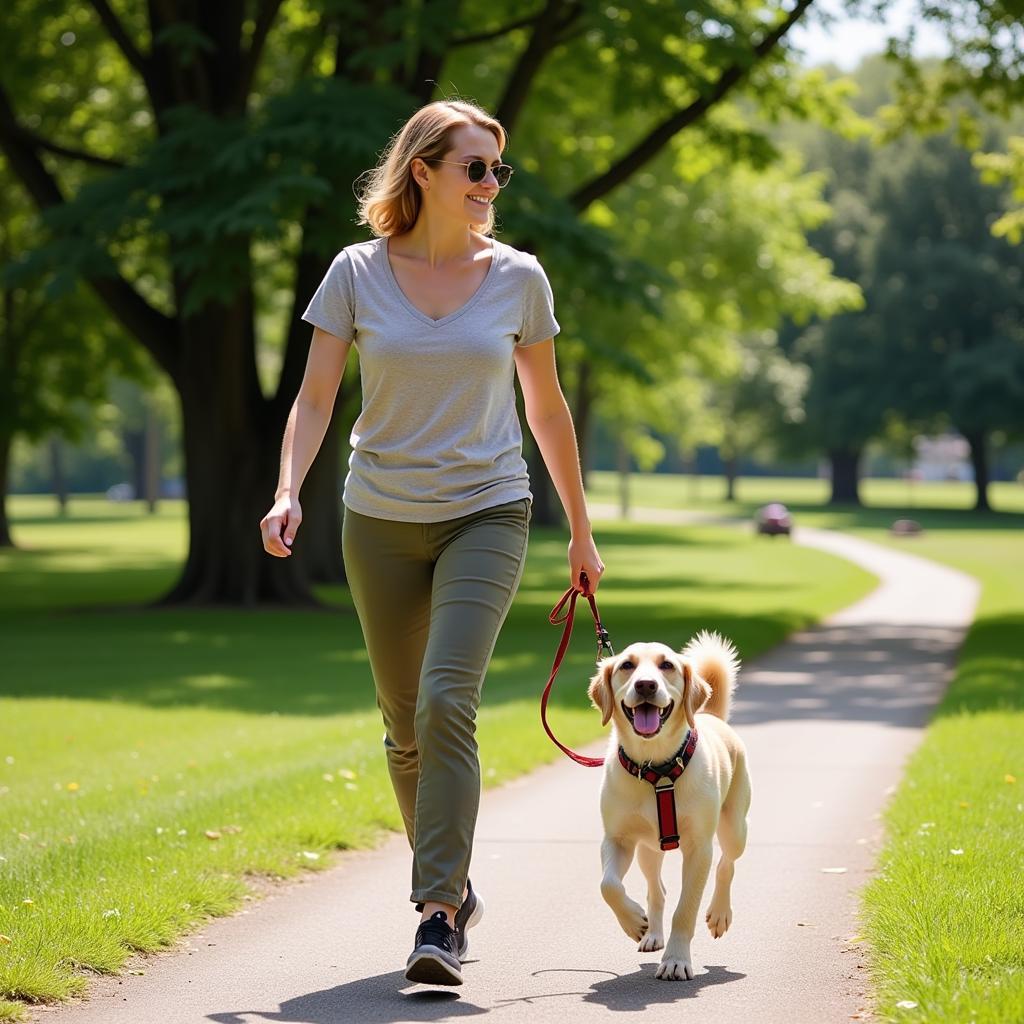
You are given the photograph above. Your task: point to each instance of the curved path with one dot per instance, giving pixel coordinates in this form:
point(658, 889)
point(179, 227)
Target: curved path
point(828, 717)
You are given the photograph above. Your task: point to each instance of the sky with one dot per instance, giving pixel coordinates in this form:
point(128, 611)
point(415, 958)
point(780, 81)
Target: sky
point(849, 39)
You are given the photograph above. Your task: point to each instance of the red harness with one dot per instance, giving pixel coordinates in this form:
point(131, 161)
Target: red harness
point(662, 777)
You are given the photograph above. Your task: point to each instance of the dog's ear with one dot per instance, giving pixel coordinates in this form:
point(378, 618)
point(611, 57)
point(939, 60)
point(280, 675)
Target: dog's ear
point(695, 693)
point(600, 691)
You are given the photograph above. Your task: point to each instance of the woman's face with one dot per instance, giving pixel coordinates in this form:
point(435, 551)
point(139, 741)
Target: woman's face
point(448, 188)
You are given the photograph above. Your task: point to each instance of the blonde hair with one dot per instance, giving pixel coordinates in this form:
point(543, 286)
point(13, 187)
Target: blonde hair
point(390, 200)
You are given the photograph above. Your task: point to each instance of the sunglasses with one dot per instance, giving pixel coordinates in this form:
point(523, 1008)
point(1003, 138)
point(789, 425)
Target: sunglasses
point(477, 170)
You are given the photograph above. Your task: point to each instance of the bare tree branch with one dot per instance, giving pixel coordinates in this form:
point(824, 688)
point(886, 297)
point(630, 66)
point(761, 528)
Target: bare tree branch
point(552, 22)
point(652, 144)
point(117, 32)
point(39, 142)
point(251, 58)
point(484, 37)
point(152, 328)
point(430, 56)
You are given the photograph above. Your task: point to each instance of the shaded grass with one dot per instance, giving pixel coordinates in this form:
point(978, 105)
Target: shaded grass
point(151, 762)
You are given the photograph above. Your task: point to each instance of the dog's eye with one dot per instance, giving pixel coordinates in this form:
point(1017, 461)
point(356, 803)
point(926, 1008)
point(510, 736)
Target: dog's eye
point(667, 666)
point(626, 665)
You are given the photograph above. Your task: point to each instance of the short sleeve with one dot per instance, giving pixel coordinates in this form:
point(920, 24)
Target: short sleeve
point(333, 303)
point(539, 321)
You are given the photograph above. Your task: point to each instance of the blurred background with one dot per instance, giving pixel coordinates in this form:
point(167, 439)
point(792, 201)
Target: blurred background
point(783, 243)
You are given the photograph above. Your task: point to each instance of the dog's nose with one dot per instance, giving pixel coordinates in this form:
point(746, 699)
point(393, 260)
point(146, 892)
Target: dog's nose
point(645, 687)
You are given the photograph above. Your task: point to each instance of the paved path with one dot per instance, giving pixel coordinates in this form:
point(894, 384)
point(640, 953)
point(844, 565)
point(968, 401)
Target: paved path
point(828, 718)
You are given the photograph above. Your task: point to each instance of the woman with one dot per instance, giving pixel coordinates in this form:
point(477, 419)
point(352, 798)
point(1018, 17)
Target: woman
point(437, 499)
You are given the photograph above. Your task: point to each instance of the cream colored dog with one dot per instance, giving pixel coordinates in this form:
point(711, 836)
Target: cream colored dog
point(652, 694)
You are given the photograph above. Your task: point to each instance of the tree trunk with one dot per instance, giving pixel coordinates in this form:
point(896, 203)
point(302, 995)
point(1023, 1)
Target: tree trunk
point(151, 459)
point(232, 442)
point(59, 482)
point(320, 551)
point(544, 512)
point(731, 464)
point(979, 462)
point(581, 414)
point(133, 445)
point(845, 476)
point(5, 462)
point(622, 458)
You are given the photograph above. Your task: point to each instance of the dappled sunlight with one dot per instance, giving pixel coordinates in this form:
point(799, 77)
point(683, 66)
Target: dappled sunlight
point(211, 682)
point(827, 676)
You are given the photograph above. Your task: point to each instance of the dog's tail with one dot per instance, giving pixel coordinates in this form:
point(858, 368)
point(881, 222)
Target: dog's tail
point(717, 662)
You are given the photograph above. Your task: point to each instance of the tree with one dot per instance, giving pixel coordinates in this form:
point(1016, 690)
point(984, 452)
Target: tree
point(244, 123)
point(844, 379)
point(950, 295)
point(766, 391)
point(57, 356)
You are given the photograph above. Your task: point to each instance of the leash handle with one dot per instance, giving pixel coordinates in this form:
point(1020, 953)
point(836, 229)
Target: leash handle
point(603, 644)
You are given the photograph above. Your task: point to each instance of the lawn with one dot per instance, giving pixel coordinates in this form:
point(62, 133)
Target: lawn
point(155, 764)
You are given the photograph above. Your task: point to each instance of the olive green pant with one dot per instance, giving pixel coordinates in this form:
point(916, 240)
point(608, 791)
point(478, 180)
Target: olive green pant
point(431, 598)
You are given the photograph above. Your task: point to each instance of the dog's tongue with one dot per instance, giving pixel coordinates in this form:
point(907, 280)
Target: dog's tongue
point(646, 719)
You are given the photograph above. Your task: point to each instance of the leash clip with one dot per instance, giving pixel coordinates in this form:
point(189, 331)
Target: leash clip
point(604, 642)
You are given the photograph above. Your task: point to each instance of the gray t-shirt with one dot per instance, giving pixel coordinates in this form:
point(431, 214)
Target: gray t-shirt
point(438, 436)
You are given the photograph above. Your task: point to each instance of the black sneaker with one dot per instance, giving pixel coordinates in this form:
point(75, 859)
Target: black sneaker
point(469, 914)
point(435, 960)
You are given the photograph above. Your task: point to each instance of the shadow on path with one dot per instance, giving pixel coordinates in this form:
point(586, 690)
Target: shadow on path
point(377, 999)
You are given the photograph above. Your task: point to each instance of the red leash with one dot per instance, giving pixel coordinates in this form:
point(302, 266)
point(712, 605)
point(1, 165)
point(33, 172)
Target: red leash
point(663, 777)
point(603, 644)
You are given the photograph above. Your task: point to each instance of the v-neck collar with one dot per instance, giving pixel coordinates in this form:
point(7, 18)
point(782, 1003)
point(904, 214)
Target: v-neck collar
point(382, 250)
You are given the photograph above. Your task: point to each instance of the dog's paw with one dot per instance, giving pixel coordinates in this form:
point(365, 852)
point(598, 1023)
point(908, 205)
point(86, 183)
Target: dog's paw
point(718, 919)
point(633, 920)
point(650, 942)
point(672, 969)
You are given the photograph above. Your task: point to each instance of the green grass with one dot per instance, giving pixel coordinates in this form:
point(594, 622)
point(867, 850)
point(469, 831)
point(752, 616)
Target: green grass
point(945, 930)
point(883, 499)
point(153, 765)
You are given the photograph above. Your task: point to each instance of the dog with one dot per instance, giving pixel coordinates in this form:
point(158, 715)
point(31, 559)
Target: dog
point(654, 696)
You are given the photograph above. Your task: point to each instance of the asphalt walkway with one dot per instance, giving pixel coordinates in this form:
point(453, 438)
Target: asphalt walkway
point(828, 718)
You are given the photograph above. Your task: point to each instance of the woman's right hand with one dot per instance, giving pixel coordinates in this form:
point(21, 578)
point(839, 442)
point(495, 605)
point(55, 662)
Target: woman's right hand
point(278, 526)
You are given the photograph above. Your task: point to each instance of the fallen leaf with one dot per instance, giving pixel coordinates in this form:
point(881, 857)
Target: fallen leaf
point(1009, 778)
point(211, 834)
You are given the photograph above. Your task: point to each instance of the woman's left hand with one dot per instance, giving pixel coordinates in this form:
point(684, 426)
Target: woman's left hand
point(583, 556)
